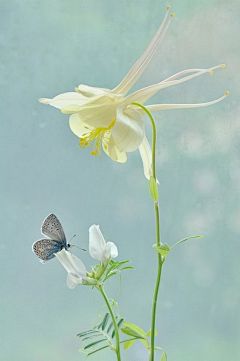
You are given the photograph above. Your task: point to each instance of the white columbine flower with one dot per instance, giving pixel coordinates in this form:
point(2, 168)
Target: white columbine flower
point(108, 117)
point(98, 248)
point(77, 274)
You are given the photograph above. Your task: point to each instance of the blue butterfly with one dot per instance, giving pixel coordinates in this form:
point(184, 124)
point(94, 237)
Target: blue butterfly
point(46, 247)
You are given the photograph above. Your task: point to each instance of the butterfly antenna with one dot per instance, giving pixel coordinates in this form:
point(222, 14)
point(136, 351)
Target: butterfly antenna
point(72, 237)
point(73, 245)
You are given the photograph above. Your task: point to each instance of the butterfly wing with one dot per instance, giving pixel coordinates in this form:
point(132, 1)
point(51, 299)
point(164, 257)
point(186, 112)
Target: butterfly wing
point(52, 228)
point(45, 248)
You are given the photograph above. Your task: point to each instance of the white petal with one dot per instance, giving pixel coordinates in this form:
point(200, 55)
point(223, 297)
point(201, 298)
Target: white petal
point(73, 280)
point(113, 249)
point(89, 91)
point(96, 242)
point(128, 131)
point(98, 112)
point(77, 126)
point(64, 100)
point(110, 251)
point(146, 155)
point(71, 263)
point(112, 151)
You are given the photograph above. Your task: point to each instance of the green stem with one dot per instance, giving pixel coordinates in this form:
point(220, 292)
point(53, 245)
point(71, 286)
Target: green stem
point(157, 285)
point(117, 346)
point(158, 239)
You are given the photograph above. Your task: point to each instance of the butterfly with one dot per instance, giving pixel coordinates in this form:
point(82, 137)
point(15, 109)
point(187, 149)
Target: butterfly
point(56, 241)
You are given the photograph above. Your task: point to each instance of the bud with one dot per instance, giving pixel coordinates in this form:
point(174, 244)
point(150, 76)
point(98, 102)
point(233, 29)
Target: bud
point(153, 189)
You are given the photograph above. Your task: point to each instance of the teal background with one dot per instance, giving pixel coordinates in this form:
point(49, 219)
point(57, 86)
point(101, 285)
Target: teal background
point(49, 47)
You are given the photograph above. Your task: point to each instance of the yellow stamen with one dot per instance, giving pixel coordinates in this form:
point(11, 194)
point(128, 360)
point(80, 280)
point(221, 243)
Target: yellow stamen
point(96, 136)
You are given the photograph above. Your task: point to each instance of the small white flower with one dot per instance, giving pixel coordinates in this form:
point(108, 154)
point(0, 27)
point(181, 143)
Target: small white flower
point(75, 268)
point(98, 248)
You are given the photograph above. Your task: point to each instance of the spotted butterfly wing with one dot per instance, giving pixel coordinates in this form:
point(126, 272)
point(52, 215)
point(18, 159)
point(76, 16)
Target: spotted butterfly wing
point(52, 228)
point(46, 248)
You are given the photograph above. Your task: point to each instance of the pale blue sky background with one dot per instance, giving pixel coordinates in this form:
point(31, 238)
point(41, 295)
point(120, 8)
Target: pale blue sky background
point(49, 47)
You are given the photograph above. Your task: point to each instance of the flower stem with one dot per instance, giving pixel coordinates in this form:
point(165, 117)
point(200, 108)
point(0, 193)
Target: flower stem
point(155, 296)
point(158, 239)
point(117, 346)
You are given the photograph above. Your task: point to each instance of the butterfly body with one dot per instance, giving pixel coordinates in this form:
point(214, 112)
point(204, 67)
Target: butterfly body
point(46, 248)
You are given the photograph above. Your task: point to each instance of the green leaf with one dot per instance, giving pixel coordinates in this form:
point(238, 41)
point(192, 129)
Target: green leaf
point(133, 330)
point(127, 344)
point(148, 334)
point(105, 321)
point(128, 267)
point(123, 262)
point(184, 240)
point(163, 249)
point(94, 343)
point(118, 324)
point(109, 275)
point(145, 343)
point(91, 337)
point(110, 327)
point(153, 188)
point(99, 349)
point(86, 333)
point(164, 356)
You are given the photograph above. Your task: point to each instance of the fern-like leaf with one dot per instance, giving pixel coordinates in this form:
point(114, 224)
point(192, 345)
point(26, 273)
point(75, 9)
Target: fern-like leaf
point(102, 332)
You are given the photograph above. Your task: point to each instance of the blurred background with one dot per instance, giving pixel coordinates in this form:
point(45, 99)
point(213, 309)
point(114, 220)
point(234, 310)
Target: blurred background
point(49, 47)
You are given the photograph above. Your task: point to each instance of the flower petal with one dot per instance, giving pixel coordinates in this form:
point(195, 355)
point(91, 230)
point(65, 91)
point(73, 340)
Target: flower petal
point(73, 280)
point(112, 151)
point(146, 155)
point(96, 242)
point(98, 112)
point(89, 91)
point(111, 249)
point(64, 100)
point(77, 126)
point(128, 131)
point(71, 263)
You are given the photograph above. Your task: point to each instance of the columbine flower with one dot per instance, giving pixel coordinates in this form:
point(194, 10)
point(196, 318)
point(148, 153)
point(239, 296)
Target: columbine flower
point(77, 274)
point(108, 117)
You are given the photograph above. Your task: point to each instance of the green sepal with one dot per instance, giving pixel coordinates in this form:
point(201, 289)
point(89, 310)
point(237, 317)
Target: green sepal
point(163, 249)
point(153, 188)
